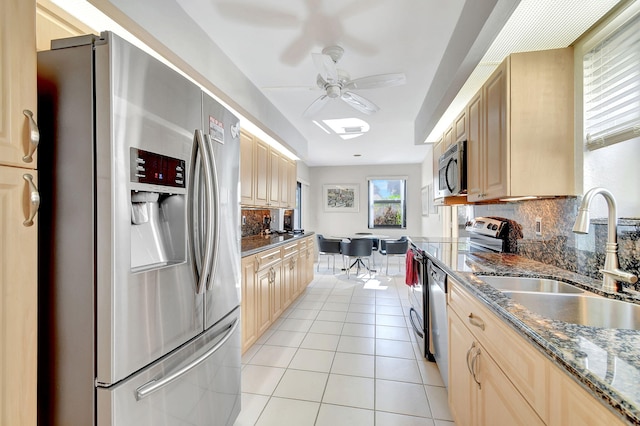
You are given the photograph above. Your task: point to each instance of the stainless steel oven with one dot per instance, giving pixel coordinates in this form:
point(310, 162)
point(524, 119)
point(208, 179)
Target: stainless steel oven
point(452, 170)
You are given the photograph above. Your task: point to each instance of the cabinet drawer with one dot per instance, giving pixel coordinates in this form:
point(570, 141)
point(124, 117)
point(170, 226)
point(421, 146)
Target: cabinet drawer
point(527, 368)
point(289, 250)
point(267, 258)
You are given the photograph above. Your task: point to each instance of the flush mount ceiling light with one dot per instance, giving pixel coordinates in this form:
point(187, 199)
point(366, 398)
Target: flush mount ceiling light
point(346, 128)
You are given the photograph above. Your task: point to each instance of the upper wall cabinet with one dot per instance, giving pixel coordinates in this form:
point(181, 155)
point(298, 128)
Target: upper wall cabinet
point(523, 143)
point(18, 131)
point(267, 177)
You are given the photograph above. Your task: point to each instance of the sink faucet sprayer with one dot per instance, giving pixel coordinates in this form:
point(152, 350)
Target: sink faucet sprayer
point(611, 272)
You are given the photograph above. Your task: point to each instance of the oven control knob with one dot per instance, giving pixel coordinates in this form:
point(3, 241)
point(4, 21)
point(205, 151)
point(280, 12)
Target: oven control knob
point(494, 227)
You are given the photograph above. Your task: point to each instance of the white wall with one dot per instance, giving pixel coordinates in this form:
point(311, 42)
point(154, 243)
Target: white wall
point(432, 224)
point(332, 223)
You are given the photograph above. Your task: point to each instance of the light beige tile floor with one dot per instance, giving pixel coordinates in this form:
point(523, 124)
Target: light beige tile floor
point(343, 354)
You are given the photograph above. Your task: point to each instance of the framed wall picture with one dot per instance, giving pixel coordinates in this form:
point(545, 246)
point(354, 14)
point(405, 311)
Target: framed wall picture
point(341, 197)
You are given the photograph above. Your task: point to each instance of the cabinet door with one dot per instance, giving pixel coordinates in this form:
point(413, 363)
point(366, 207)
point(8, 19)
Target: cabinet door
point(276, 306)
point(462, 388)
point(263, 311)
point(290, 274)
point(460, 127)
point(292, 182)
point(18, 304)
point(496, 164)
point(261, 176)
point(250, 299)
point(274, 179)
point(475, 142)
point(499, 402)
point(283, 180)
point(17, 81)
point(247, 169)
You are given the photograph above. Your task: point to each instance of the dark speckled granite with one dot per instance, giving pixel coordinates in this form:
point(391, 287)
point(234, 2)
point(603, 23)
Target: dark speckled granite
point(257, 243)
point(606, 362)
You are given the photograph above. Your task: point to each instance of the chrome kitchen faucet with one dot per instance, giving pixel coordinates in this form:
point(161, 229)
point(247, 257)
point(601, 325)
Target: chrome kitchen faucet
point(611, 272)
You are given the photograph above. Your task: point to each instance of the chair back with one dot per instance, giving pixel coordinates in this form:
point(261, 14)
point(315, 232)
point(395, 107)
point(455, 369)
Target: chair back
point(361, 247)
point(328, 246)
point(397, 247)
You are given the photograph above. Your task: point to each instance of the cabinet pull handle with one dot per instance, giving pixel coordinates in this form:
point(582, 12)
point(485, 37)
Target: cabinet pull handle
point(474, 361)
point(471, 348)
point(34, 200)
point(476, 321)
point(34, 136)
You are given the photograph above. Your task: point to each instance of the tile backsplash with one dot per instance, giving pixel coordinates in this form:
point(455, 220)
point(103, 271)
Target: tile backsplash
point(557, 245)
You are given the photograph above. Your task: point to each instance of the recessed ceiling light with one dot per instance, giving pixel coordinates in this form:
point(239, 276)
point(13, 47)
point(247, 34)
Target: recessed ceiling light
point(357, 155)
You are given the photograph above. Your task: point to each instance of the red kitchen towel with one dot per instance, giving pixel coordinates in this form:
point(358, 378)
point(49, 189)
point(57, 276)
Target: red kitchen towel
point(411, 275)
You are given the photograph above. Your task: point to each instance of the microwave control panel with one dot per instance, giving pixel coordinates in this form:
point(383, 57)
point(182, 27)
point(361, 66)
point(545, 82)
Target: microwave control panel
point(149, 167)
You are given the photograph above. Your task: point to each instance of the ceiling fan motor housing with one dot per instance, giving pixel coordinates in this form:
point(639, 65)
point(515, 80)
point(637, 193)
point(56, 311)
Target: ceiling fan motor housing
point(333, 91)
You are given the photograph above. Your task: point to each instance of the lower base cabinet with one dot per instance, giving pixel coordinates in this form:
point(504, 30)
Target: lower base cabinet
point(479, 392)
point(271, 281)
point(497, 378)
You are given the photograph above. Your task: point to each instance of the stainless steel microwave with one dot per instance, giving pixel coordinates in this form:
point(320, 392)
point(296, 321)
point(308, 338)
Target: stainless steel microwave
point(452, 170)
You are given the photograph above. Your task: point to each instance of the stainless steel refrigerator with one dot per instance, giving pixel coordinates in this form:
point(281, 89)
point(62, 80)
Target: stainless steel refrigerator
point(139, 260)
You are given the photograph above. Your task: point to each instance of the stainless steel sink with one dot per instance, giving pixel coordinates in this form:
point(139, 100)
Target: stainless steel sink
point(507, 283)
point(581, 309)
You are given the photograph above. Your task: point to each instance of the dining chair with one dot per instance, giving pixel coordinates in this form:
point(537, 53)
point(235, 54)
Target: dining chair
point(328, 247)
point(390, 248)
point(357, 248)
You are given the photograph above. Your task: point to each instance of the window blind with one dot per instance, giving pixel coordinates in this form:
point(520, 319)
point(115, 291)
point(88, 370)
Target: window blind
point(611, 73)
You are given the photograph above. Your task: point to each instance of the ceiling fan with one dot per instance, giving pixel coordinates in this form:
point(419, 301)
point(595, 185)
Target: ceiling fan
point(337, 83)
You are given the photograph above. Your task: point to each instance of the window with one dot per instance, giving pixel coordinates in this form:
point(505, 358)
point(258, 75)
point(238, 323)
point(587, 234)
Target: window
point(611, 72)
point(387, 198)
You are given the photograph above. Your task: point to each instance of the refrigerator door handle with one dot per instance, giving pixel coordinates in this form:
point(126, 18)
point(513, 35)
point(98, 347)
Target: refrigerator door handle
point(202, 261)
point(216, 212)
point(156, 384)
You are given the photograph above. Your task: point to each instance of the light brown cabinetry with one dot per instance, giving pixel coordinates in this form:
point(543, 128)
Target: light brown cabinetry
point(479, 391)
point(19, 246)
point(249, 309)
point(271, 280)
point(526, 144)
point(496, 377)
point(267, 177)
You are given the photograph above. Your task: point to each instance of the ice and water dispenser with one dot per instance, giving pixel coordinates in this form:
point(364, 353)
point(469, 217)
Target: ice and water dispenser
point(158, 212)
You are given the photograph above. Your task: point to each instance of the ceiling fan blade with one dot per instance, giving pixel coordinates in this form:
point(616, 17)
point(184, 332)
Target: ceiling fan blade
point(358, 102)
point(249, 13)
point(297, 50)
point(325, 66)
point(315, 106)
point(376, 81)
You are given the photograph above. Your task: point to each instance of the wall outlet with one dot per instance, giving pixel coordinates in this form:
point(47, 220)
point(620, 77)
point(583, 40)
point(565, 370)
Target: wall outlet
point(538, 226)
point(244, 220)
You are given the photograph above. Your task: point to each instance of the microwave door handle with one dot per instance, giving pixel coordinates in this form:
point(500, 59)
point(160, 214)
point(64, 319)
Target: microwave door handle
point(446, 175)
point(216, 213)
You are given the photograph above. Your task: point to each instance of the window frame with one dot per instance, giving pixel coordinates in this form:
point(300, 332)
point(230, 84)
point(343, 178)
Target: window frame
point(371, 202)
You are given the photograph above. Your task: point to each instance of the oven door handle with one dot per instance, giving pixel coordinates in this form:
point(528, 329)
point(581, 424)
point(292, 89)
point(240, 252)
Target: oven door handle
point(413, 324)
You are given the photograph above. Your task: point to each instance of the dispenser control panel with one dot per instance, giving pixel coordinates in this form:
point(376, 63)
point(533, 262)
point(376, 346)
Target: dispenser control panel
point(157, 169)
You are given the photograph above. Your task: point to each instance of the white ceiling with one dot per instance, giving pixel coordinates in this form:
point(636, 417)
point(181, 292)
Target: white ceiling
point(436, 44)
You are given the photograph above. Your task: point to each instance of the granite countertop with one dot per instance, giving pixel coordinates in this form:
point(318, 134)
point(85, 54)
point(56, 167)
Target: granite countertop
point(257, 243)
point(605, 361)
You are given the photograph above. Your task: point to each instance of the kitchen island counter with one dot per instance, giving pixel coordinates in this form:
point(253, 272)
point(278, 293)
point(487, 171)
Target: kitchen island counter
point(606, 362)
point(257, 243)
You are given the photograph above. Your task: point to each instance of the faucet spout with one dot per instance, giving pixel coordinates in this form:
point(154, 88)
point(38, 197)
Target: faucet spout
point(611, 273)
